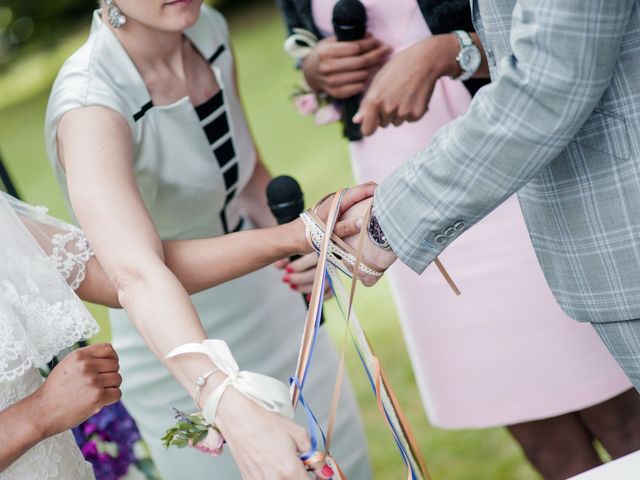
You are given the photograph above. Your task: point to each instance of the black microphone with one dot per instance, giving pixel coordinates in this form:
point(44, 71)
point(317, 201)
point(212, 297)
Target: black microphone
point(286, 201)
point(285, 198)
point(349, 24)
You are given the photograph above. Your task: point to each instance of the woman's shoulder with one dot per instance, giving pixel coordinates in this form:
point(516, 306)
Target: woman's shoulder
point(98, 73)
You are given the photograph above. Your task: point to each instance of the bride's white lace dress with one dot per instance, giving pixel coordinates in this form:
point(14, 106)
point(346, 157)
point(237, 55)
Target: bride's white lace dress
point(35, 324)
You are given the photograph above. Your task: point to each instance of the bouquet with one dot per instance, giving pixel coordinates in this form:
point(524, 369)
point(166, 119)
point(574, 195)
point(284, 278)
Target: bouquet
point(111, 442)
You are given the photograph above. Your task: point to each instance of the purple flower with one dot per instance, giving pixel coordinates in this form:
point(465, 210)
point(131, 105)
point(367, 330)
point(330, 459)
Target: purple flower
point(88, 429)
point(90, 449)
point(107, 440)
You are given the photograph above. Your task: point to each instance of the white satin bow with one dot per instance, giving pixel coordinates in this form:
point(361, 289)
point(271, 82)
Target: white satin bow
point(269, 393)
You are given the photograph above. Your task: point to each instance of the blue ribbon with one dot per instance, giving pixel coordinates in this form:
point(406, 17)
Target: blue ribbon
point(312, 421)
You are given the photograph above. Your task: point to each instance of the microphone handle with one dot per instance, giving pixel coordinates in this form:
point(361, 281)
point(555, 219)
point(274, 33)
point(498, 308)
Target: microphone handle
point(293, 258)
point(304, 295)
point(350, 107)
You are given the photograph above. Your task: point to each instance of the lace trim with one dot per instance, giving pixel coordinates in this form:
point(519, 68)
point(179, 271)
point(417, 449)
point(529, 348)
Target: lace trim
point(335, 254)
point(47, 328)
point(71, 264)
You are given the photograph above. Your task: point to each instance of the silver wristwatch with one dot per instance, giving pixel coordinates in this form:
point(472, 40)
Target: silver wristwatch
point(376, 235)
point(469, 57)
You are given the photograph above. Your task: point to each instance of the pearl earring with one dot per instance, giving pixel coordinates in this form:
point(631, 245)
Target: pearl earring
point(116, 18)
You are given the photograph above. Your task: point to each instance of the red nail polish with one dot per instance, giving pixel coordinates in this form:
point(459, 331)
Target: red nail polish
point(285, 279)
point(308, 297)
point(327, 471)
point(289, 269)
point(293, 286)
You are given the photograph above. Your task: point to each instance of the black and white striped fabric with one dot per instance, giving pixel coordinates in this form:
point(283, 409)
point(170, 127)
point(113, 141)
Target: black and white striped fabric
point(214, 121)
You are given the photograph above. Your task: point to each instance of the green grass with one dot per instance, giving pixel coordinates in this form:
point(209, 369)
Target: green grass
point(319, 159)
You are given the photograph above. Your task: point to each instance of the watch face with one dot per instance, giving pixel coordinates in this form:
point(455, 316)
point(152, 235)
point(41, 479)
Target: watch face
point(470, 59)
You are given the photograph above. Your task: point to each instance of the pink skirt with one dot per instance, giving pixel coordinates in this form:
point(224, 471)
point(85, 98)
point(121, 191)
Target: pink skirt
point(503, 352)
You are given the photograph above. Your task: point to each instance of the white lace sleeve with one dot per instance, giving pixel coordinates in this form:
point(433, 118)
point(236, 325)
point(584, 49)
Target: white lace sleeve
point(40, 257)
point(70, 252)
point(65, 244)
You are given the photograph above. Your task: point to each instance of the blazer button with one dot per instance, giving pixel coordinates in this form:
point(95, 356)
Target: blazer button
point(440, 238)
point(491, 58)
point(449, 232)
point(459, 225)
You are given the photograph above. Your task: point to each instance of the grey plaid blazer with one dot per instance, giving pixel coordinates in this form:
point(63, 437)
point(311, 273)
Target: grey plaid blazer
point(560, 123)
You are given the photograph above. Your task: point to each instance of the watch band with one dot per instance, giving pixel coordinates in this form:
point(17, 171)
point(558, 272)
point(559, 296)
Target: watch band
point(376, 235)
point(464, 41)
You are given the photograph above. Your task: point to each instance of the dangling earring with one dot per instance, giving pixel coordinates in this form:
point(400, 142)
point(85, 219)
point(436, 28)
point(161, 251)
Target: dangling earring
point(116, 18)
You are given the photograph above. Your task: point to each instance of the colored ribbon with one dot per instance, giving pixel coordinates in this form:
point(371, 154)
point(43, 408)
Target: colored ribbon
point(386, 400)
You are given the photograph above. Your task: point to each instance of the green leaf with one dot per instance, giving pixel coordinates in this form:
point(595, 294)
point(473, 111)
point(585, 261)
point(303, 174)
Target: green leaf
point(180, 442)
point(199, 437)
point(197, 419)
point(183, 426)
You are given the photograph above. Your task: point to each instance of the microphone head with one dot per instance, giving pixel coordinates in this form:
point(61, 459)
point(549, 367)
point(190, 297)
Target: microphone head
point(285, 198)
point(349, 20)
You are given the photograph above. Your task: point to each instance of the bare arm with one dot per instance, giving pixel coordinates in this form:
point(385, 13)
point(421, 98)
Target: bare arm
point(18, 433)
point(109, 207)
point(402, 89)
point(205, 263)
point(85, 381)
point(96, 149)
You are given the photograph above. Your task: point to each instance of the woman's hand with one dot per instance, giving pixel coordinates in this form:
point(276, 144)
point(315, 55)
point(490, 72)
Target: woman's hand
point(401, 90)
point(299, 274)
point(81, 384)
point(294, 231)
point(343, 69)
point(264, 445)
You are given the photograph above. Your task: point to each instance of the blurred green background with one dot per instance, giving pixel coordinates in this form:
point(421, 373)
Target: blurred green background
point(317, 156)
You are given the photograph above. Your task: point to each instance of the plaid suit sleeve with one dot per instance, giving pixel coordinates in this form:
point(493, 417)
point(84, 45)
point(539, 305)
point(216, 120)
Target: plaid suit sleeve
point(563, 56)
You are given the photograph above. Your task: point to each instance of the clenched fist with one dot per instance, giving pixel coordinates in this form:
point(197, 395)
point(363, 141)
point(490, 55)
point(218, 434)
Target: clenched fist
point(80, 385)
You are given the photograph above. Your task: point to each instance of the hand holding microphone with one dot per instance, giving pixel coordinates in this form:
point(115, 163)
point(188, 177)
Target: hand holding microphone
point(286, 202)
point(343, 65)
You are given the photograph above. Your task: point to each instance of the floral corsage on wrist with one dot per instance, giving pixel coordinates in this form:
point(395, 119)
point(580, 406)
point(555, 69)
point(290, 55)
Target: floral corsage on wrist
point(194, 431)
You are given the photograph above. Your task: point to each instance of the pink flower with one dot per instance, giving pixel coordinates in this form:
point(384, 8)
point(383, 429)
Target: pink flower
point(213, 443)
point(327, 114)
point(306, 104)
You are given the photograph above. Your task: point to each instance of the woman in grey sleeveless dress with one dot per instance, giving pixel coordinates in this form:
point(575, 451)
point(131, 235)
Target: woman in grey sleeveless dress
point(152, 144)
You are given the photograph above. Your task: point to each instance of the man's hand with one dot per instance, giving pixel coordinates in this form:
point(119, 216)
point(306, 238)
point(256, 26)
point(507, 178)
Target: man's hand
point(371, 253)
point(400, 92)
point(343, 69)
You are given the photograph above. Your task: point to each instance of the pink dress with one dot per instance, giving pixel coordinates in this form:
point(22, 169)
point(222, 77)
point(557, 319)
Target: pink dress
point(503, 352)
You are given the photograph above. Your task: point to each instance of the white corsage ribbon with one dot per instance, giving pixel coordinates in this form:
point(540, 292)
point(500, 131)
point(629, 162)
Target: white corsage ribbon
point(269, 393)
point(300, 43)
